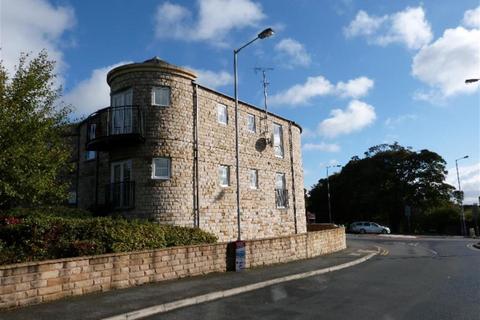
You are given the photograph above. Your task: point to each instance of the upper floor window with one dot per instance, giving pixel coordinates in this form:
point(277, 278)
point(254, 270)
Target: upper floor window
point(161, 168)
point(251, 126)
point(281, 194)
point(91, 131)
point(253, 173)
point(222, 114)
point(123, 98)
point(224, 175)
point(161, 96)
point(278, 140)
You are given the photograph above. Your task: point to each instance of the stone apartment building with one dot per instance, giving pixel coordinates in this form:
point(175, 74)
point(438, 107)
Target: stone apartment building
point(165, 150)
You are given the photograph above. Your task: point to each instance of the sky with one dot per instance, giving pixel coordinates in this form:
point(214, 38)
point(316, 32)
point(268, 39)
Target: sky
point(352, 74)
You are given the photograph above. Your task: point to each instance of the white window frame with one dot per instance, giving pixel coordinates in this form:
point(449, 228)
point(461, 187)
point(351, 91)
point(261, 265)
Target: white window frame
point(253, 179)
point(220, 108)
point(221, 174)
point(251, 120)
point(278, 141)
point(161, 88)
point(169, 168)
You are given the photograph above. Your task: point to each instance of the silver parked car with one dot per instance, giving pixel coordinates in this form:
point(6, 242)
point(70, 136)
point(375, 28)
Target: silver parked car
point(368, 227)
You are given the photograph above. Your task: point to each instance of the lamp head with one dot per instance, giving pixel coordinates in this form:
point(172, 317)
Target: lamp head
point(266, 33)
point(471, 80)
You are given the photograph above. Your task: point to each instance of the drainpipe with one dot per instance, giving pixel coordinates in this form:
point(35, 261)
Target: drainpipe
point(78, 166)
point(196, 199)
point(293, 177)
point(97, 165)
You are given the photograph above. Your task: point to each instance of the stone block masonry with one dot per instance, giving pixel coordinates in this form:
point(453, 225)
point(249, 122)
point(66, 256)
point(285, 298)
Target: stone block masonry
point(187, 132)
point(35, 282)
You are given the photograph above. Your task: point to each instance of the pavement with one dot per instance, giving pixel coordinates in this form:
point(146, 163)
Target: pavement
point(137, 302)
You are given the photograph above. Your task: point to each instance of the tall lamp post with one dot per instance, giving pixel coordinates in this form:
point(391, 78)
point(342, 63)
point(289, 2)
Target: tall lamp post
point(464, 226)
point(328, 192)
point(262, 35)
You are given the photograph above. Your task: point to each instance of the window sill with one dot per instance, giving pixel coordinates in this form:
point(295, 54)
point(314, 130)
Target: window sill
point(161, 178)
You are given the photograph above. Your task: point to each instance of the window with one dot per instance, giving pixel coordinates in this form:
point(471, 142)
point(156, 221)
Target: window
point(72, 197)
point(281, 194)
point(161, 96)
point(222, 115)
point(278, 140)
point(91, 130)
point(251, 123)
point(253, 178)
point(280, 181)
point(224, 175)
point(122, 112)
point(161, 168)
point(90, 155)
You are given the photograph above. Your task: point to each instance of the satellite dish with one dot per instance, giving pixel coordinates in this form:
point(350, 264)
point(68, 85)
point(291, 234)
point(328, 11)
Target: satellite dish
point(261, 144)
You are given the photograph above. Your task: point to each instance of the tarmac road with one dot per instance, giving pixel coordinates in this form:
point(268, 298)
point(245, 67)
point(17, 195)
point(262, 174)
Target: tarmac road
point(413, 278)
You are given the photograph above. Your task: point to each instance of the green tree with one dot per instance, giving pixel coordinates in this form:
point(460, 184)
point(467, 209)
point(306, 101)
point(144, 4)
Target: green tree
point(33, 152)
point(380, 185)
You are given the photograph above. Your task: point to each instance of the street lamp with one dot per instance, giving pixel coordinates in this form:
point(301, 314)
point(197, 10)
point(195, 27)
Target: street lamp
point(262, 35)
point(464, 226)
point(328, 192)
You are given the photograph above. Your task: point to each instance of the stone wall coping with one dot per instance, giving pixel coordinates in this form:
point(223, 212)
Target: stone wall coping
point(121, 254)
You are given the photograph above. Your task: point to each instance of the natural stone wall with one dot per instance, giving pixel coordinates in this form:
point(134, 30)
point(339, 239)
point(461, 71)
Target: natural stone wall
point(170, 133)
point(35, 282)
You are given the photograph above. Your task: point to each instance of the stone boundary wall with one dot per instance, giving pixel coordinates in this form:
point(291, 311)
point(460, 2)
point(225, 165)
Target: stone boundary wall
point(35, 282)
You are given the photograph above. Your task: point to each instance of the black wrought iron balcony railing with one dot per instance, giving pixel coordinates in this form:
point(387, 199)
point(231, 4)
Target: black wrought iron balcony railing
point(113, 126)
point(281, 198)
point(120, 195)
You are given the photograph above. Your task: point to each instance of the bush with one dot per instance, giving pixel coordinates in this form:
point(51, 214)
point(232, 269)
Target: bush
point(34, 236)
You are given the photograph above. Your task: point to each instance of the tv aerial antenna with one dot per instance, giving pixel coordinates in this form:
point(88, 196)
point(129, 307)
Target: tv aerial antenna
point(265, 84)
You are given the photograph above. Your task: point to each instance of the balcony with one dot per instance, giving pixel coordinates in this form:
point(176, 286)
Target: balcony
point(115, 126)
point(120, 195)
point(281, 198)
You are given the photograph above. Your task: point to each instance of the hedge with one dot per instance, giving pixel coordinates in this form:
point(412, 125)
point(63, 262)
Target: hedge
point(40, 236)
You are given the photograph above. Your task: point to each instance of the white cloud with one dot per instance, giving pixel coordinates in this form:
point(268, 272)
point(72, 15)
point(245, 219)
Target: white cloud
point(357, 116)
point(364, 25)
point(322, 146)
point(33, 25)
point(293, 53)
point(355, 88)
point(408, 27)
point(301, 94)
point(213, 79)
point(446, 63)
point(469, 179)
point(214, 20)
point(91, 94)
point(471, 18)
point(393, 122)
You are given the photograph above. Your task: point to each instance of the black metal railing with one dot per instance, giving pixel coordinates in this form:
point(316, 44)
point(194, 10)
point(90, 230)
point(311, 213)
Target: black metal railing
point(281, 198)
point(120, 195)
point(115, 121)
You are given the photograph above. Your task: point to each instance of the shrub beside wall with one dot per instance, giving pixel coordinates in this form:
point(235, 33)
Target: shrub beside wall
point(29, 235)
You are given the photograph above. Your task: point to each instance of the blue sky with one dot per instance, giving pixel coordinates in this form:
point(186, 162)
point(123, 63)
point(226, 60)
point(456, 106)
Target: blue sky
point(353, 74)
